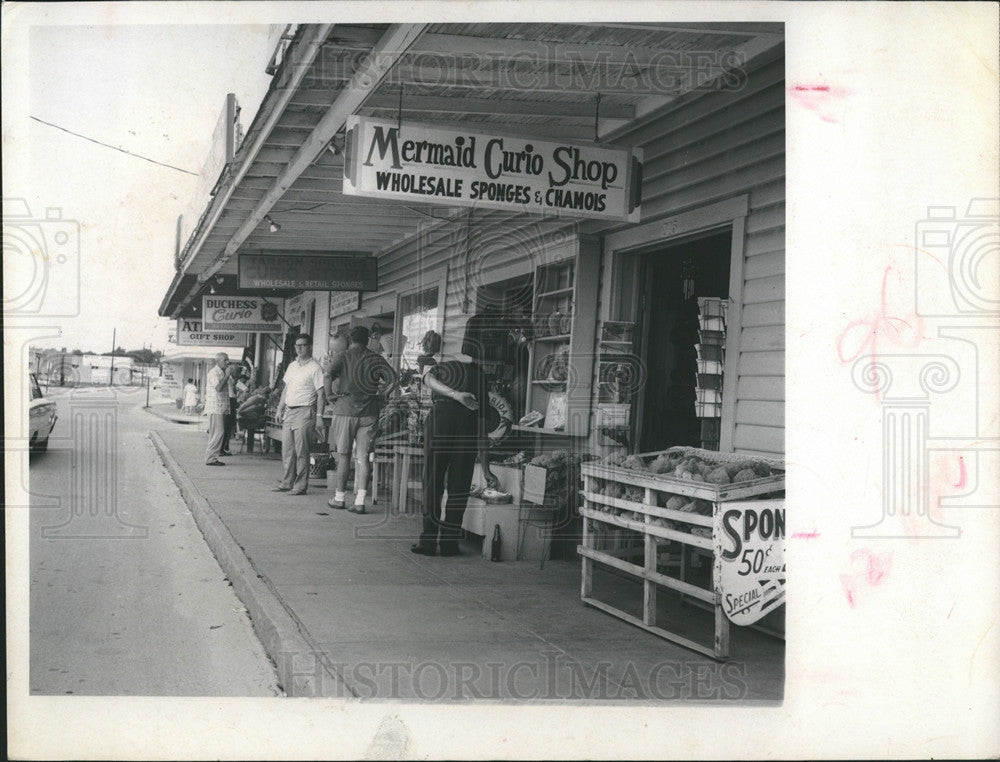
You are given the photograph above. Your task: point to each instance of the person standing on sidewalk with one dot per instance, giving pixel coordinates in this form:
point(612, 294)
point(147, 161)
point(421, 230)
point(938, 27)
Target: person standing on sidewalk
point(363, 376)
point(300, 407)
point(217, 406)
point(190, 397)
point(231, 412)
point(455, 429)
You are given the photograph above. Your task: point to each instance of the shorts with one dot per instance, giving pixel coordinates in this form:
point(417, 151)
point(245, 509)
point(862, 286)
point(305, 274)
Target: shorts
point(348, 429)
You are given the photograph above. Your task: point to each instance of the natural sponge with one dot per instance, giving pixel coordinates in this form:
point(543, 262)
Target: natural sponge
point(717, 476)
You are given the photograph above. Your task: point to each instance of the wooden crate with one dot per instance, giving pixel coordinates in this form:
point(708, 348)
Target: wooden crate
point(609, 523)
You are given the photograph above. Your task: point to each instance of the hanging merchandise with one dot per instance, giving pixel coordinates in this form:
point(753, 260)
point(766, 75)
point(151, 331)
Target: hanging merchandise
point(687, 275)
point(711, 354)
point(500, 419)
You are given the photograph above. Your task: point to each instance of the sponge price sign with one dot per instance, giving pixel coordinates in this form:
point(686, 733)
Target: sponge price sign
point(750, 558)
point(411, 162)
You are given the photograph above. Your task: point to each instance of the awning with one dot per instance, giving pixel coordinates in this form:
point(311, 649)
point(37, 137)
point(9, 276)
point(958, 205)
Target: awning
point(569, 81)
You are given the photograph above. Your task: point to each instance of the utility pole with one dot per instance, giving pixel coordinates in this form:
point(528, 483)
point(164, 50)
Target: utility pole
point(111, 375)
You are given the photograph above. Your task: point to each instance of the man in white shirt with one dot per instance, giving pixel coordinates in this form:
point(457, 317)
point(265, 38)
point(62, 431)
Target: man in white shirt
point(217, 406)
point(302, 402)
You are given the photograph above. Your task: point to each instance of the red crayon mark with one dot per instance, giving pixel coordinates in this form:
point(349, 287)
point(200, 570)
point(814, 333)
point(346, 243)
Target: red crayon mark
point(878, 566)
point(866, 568)
point(961, 473)
point(848, 589)
point(818, 98)
point(863, 336)
point(805, 535)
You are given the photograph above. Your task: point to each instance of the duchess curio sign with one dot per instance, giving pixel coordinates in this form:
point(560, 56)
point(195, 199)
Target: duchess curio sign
point(423, 163)
point(239, 313)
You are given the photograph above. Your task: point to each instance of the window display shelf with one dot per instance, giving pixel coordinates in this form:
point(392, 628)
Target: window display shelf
point(546, 432)
point(564, 289)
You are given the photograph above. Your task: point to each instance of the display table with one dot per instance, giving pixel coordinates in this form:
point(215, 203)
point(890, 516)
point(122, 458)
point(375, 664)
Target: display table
point(524, 528)
point(636, 536)
point(405, 458)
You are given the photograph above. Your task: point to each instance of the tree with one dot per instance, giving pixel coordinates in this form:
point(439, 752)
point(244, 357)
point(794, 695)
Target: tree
point(146, 356)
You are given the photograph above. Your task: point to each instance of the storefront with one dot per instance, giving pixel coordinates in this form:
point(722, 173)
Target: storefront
point(643, 314)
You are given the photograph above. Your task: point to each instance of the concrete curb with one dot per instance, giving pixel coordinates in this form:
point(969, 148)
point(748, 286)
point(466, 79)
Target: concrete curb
point(303, 670)
point(171, 419)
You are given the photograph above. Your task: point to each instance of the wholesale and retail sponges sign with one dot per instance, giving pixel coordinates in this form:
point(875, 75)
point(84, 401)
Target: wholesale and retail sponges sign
point(411, 162)
point(750, 558)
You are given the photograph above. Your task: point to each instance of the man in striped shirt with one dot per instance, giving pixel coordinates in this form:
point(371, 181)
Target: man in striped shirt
point(217, 406)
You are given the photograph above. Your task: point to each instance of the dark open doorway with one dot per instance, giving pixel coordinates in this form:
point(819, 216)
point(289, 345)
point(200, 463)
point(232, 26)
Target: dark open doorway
point(674, 277)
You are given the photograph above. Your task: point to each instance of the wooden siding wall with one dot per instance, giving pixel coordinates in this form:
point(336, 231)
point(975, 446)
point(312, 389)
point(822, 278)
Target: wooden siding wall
point(493, 246)
point(714, 146)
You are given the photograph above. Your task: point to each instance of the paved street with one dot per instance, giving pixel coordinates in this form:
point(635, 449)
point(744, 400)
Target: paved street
point(125, 596)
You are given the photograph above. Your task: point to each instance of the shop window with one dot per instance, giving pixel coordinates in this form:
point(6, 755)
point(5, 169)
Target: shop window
point(507, 355)
point(418, 313)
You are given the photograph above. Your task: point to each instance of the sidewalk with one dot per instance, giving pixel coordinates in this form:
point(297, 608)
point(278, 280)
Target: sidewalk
point(169, 411)
point(345, 609)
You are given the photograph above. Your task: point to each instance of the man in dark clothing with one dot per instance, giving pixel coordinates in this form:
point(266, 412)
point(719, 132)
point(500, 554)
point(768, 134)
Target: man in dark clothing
point(230, 420)
point(454, 433)
point(364, 376)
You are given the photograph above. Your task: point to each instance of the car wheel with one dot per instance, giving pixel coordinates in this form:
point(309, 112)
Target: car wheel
point(40, 445)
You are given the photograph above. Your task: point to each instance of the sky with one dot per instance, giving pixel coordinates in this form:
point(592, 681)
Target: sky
point(156, 91)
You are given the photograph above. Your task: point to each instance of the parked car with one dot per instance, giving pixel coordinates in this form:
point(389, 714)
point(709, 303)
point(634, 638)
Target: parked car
point(42, 416)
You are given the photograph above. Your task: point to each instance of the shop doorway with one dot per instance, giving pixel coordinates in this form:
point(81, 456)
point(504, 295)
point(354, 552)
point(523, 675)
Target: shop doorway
point(674, 277)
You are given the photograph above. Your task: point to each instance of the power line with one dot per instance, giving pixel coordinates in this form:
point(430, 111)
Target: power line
point(116, 148)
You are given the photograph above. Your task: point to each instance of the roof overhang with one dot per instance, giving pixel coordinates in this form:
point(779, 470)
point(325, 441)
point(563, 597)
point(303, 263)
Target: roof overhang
point(563, 81)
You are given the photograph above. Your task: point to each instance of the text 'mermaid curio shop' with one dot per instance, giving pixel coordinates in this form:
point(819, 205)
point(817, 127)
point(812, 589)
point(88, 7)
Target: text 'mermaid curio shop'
point(620, 220)
point(482, 170)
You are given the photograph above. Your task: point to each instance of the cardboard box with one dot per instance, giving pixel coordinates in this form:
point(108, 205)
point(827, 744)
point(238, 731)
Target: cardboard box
point(534, 484)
